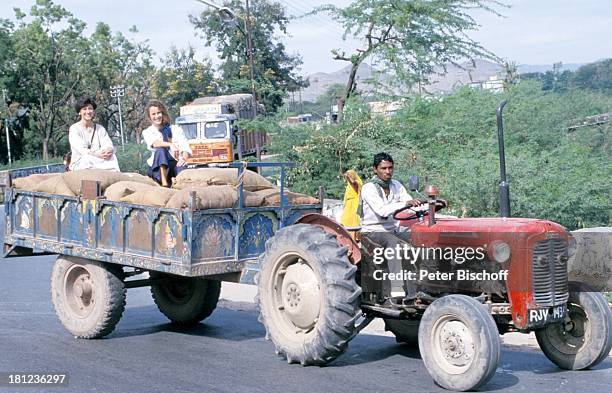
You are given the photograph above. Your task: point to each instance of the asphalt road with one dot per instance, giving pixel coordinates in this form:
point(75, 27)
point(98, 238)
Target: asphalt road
point(226, 353)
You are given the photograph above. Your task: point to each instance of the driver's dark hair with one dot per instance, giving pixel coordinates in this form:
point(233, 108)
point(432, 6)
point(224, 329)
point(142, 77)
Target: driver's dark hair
point(380, 157)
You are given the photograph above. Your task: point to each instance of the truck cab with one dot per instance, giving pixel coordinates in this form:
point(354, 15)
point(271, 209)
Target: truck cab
point(213, 133)
point(212, 138)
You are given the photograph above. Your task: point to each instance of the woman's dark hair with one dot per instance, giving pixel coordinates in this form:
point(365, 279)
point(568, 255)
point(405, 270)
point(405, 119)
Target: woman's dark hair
point(83, 102)
point(162, 109)
point(380, 157)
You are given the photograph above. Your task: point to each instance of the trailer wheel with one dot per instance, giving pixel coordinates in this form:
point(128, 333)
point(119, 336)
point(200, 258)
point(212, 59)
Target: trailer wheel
point(308, 298)
point(585, 338)
point(88, 296)
point(185, 301)
point(459, 343)
point(405, 331)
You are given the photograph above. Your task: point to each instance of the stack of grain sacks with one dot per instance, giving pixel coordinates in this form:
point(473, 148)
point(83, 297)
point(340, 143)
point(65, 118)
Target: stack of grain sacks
point(205, 188)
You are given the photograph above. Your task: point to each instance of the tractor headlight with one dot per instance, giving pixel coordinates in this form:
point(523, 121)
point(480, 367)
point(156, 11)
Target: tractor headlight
point(499, 251)
point(571, 245)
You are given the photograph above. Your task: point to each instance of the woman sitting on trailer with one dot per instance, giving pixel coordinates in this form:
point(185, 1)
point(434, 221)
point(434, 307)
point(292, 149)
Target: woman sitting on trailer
point(90, 145)
point(167, 143)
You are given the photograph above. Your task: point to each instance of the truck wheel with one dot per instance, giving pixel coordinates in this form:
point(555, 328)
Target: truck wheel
point(88, 296)
point(405, 331)
point(586, 338)
point(308, 298)
point(185, 301)
point(459, 343)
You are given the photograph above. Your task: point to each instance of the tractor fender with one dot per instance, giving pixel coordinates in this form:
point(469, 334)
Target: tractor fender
point(343, 238)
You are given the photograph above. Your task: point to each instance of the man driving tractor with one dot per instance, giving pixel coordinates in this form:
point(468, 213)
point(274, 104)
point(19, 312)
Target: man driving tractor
point(380, 198)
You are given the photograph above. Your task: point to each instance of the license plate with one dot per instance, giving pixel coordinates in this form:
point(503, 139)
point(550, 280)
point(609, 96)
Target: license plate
point(203, 152)
point(545, 315)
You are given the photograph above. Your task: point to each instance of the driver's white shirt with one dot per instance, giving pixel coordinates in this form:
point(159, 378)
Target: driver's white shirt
point(378, 209)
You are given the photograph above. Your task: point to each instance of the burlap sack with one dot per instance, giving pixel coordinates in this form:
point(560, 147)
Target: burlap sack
point(138, 178)
point(106, 178)
point(203, 177)
point(272, 197)
point(149, 195)
point(252, 199)
point(119, 190)
point(54, 185)
point(211, 197)
point(30, 182)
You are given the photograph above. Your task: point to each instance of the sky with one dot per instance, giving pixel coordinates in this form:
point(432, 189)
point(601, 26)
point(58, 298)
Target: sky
point(531, 31)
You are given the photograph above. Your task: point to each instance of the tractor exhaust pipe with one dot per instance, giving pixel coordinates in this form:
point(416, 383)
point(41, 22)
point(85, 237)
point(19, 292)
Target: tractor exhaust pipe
point(504, 189)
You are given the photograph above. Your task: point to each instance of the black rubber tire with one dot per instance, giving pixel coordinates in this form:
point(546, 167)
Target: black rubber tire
point(185, 301)
point(590, 340)
point(88, 296)
point(335, 297)
point(462, 324)
point(405, 331)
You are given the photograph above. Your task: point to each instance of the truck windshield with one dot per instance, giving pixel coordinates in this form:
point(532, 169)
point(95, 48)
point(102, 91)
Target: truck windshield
point(216, 129)
point(190, 130)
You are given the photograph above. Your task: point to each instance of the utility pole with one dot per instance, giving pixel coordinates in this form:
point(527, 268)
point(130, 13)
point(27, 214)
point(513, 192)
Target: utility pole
point(117, 92)
point(228, 16)
point(8, 139)
point(247, 23)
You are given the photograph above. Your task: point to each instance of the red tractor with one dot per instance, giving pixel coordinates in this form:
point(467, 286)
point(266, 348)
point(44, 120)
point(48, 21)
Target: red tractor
point(318, 289)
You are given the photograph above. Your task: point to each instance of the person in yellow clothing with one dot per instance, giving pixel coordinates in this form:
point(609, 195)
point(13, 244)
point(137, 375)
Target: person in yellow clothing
point(349, 216)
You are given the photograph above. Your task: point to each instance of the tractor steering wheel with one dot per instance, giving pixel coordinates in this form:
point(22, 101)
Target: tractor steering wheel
point(417, 212)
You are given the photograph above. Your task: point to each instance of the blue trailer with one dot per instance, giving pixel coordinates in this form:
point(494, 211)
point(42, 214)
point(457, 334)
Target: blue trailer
point(105, 247)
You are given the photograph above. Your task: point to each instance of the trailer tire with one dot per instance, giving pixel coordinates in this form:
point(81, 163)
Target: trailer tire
point(183, 300)
point(459, 342)
point(589, 338)
point(405, 331)
point(88, 296)
point(308, 298)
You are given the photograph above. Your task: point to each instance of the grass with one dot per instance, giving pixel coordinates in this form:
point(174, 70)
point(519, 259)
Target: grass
point(25, 163)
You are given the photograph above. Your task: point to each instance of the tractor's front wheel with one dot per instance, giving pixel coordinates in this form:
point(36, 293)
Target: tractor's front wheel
point(584, 339)
point(308, 298)
point(459, 342)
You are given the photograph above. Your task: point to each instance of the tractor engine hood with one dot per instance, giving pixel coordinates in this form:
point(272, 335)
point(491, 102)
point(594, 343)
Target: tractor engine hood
point(466, 232)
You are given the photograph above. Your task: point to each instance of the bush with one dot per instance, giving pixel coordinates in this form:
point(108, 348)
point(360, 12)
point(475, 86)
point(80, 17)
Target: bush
point(133, 158)
point(451, 141)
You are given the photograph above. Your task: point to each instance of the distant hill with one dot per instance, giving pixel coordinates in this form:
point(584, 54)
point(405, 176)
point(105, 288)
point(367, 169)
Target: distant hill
point(320, 81)
point(453, 78)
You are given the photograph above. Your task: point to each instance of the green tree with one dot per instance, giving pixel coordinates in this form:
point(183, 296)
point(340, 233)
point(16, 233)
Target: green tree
point(182, 78)
point(409, 38)
point(554, 174)
point(114, 59)
point(275, 69)
point(595, 76)
point(5, 80)
point(47, 58)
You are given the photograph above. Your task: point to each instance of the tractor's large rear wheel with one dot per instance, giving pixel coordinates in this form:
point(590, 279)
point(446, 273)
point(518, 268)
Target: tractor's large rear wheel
point(184, 300)
point(308, 298)
point(459, 342)
point(585, 338)
point(88, 296)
